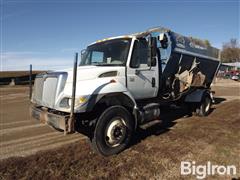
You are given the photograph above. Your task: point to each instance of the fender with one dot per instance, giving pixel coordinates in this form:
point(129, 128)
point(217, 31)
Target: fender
point(107, 88)
point(111, 89)
point(197, 95)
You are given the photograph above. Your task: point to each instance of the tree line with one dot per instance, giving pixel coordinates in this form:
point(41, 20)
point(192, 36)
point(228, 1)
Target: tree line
point(230, 51)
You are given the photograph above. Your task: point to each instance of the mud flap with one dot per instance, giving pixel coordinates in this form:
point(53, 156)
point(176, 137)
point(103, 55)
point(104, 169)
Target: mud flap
point(196, 96)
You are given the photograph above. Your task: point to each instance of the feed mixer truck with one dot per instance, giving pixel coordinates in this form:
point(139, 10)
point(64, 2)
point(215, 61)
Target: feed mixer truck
point(123, 82)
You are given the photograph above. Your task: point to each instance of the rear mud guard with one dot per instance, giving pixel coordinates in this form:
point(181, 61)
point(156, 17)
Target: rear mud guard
point(197, 95)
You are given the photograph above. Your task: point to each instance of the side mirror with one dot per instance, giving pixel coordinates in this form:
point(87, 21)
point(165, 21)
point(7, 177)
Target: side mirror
point(83, 53)
point(152, 51)
point(161, 37)
point(163, 40)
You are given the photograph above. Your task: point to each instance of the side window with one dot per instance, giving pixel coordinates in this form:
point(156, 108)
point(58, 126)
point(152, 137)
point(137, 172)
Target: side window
point(97, 57)
point(140, 53)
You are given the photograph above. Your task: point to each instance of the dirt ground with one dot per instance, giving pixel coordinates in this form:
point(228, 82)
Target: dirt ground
point(30, 150)
point(21, 135)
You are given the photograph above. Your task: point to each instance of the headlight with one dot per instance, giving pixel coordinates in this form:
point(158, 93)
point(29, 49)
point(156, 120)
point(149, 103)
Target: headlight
point(79, 101)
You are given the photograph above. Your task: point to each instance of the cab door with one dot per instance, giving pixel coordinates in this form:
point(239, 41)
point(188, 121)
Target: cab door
point(142, 80)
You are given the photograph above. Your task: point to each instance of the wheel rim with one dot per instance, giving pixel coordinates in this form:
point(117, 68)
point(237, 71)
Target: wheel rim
point(116, 132)
point(207, 104)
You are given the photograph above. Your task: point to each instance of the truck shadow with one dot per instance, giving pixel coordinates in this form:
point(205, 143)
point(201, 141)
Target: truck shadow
point(167, 120)
point(219, 100)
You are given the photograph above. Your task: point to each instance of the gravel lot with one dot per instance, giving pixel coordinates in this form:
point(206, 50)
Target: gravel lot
point(20, 134)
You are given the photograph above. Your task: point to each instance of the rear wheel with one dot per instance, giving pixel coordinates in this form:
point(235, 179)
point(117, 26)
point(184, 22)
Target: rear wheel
point(204, 107)
point(113, 131)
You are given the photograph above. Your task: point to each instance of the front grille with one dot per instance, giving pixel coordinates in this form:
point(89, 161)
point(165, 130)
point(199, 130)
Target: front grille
point(38, 89)
point(49, 91)
point(47, 87)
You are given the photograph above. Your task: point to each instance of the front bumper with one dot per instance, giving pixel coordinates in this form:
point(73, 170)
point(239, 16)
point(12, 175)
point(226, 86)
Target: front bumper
point(57, 121)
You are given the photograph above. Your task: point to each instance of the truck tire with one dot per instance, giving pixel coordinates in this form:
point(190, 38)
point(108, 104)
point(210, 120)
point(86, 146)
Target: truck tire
point(204, 107)
point(113, 131)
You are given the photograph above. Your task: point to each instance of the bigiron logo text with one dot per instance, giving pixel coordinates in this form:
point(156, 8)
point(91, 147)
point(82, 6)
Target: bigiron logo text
point(208, 169)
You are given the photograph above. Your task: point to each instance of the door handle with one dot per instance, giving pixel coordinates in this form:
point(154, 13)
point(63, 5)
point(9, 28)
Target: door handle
point(153, 82)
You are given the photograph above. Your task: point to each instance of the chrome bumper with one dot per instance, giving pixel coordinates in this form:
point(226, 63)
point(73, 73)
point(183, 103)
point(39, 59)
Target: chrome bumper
point(59, 122)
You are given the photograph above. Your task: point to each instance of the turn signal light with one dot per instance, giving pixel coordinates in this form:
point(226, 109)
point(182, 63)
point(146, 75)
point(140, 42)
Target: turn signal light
point(112, 81)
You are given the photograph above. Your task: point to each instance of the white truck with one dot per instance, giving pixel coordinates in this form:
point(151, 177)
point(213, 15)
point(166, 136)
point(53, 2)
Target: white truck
point(122, 83)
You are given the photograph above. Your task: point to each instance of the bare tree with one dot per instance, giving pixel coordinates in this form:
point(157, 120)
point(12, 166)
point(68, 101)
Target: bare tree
point(231, 51)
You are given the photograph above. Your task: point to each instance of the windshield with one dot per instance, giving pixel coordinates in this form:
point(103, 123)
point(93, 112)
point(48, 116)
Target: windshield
point(107, 53)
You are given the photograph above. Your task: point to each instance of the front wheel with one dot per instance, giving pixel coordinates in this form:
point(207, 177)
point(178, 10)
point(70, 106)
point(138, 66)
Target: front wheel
point(204, 107)
point(113, 131)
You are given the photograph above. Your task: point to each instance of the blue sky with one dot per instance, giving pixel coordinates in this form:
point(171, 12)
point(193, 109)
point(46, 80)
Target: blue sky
point(47, 33)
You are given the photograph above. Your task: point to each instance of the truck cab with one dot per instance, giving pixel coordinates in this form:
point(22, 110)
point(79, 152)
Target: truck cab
point(130, 55)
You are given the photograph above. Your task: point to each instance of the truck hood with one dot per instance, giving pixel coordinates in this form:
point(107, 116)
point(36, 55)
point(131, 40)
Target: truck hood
point(92, 72)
